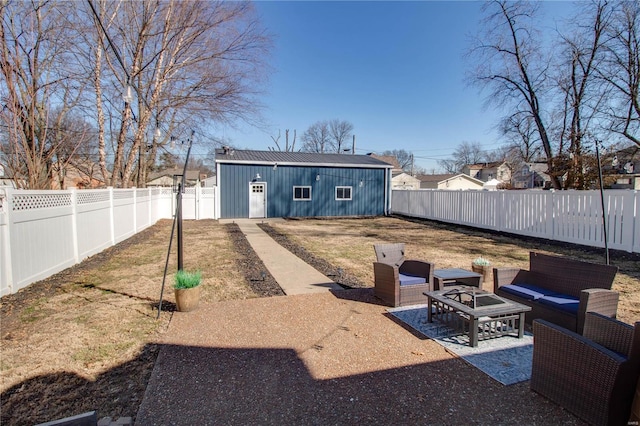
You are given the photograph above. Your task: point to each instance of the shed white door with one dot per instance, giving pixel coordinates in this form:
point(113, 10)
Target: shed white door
point(257, 200)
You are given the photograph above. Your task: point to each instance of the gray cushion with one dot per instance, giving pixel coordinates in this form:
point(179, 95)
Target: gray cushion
point(406, 279)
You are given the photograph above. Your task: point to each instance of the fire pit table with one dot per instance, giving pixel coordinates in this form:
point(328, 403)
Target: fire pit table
point(477, 313)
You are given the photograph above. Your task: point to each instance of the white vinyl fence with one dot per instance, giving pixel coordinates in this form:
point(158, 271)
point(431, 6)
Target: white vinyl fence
point(568, 216)
point(44, 232)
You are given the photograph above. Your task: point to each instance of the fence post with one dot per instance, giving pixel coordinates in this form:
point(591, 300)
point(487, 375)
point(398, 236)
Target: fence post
point(5, 221)
point(551, 217)
point(198, 194)
point(74, 224)
point(135, 210)
point(151, 206)
point(112, 224)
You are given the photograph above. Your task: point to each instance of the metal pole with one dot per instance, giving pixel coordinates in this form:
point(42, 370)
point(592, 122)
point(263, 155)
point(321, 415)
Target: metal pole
point(179, 221)
point(166, 266)
point(179, 208)
point(604, 213)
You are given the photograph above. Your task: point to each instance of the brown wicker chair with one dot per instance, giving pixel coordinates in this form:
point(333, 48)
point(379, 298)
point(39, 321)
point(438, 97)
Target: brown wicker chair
point(400, 282)
point(593, 375)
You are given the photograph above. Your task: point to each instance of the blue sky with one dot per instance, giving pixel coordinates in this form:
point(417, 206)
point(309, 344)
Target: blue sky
point(395, 70)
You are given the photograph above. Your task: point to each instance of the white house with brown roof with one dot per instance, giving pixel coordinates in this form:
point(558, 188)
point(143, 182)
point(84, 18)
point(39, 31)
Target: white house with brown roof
point(404, 180)
point(449, 182)
point(487, 171)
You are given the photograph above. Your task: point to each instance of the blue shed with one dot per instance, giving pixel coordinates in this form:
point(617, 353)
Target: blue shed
point(258, 184)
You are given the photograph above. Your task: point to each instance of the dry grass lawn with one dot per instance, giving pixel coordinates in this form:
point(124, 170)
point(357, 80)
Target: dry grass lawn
point(86, 338)
point(348, 244)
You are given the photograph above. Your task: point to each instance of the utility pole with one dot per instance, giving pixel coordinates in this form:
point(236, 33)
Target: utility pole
point(353, 145)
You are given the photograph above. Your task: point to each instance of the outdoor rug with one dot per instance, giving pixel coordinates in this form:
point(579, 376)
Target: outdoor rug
point(506, 359)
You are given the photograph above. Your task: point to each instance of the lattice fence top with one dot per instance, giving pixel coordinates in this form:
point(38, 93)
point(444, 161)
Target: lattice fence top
point(208, 191)
point(90, 197)
point(142, 193)
point(23, 202)
point(123, 194)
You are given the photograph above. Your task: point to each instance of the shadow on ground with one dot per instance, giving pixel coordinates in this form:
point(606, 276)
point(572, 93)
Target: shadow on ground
point(234, 378)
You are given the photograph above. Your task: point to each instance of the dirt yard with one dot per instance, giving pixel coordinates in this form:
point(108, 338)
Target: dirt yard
point(87, 338)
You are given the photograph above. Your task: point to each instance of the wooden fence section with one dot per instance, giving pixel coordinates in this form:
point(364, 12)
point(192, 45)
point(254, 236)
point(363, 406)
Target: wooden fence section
point(568, 216)
point(44, 232)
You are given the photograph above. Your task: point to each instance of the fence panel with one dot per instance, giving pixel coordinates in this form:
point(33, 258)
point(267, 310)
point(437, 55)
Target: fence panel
point(93, 207)
point(568, 216)
point(143, 209)
point(189, 204)
point(124, 214)
point(207, 203)
point(40, 225)
point(44, 232)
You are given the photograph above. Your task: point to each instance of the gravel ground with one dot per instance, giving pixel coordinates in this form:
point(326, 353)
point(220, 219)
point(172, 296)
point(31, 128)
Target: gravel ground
point(322, 359)
point(251, 265)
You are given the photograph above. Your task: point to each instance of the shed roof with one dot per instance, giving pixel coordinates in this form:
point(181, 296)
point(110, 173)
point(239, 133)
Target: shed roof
point(236, 156)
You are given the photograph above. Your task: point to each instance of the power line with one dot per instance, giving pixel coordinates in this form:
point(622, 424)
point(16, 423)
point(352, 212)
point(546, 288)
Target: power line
point(115, 50)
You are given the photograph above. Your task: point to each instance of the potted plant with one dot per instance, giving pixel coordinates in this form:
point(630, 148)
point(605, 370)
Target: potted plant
point(481, 266)
point(187, 290)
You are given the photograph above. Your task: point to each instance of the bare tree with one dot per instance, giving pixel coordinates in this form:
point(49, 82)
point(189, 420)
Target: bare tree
point(621, 70)
point(465, 154)
point(39, 87)
point(287, 147)
point(520, 134)
point(512, 65)
point(405, 158)
point(187, 64)
point(317, 138)
point(341, 131)
point(581, 92)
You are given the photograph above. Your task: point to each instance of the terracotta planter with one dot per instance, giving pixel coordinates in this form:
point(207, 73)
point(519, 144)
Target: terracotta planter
point(187, 299)
point(484, 270)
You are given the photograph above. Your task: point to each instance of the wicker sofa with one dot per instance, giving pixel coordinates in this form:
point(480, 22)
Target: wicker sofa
point(593, 374)
point(559, 290)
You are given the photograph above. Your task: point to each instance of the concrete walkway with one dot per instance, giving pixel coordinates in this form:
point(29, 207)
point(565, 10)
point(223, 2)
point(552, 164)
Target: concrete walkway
point(292, 274)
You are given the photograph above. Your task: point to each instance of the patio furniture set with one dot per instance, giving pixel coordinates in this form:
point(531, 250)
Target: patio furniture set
point(583, 358)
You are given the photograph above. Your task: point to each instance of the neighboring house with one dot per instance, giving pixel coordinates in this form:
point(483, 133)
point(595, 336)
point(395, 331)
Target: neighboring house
point(256, 184)
point(389, 159)
point(531, 176)
point(449, 181)
point(402, 180)
point(623, 166)
point(166, 177)
point(209, 182)
point(399, 179)
point(487, 171)
point(431, 181)
point(81, 174)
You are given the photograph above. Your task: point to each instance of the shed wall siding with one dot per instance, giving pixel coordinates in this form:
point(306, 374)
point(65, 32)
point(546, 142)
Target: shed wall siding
point(367, 199)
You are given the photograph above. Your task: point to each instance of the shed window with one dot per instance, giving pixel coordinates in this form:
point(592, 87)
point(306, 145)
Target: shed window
point(302, 193)
point(343, 192)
